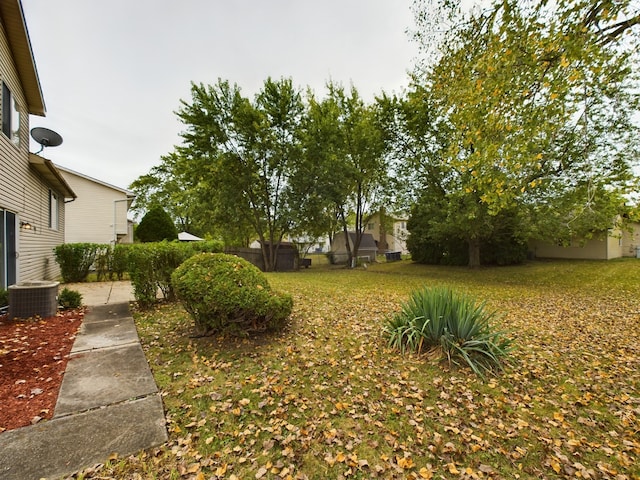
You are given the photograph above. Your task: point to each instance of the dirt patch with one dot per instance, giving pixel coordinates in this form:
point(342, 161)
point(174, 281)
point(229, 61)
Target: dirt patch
point(33, 358)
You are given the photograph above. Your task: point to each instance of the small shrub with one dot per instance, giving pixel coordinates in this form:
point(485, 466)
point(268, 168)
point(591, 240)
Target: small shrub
point(225, 292)
point(441, 319)
point(68, 298)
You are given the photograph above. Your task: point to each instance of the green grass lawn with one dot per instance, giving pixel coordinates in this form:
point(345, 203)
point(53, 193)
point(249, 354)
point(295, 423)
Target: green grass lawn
point(326, 398)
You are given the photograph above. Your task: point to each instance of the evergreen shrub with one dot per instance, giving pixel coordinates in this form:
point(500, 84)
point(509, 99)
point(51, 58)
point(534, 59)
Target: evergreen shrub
point(156, 226)
point(223, 292)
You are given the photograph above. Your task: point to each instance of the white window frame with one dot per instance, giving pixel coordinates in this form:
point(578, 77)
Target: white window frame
point(10, 116)
point(53, 210)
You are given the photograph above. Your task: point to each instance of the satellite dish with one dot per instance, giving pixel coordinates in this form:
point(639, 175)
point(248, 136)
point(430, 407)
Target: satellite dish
point(45, 137)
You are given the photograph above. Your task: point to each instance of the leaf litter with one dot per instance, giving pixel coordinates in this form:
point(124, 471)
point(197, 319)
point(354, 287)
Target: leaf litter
point(327, 399)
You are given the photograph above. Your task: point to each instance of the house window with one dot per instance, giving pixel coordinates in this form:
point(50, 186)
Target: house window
point(53, 210)
point(10, 116)
point(371, 226)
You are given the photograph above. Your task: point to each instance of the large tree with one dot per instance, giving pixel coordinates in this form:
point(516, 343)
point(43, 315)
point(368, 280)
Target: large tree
point(536, 102)
point(345, 163)
point(242, 154)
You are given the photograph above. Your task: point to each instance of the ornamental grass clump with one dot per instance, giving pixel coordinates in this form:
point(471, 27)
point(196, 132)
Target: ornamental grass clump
point(461, 329)
point(227, 293)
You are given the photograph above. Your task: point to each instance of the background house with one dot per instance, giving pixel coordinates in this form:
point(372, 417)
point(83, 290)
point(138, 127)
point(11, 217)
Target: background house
point(99, 215)
point(393, 238)
point(32, 190)
point(614, 243)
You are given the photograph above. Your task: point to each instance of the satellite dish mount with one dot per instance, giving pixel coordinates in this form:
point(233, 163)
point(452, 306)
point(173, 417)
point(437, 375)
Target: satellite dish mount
point(45, 137)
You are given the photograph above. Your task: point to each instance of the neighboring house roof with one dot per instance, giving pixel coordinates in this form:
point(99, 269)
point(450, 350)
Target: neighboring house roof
point(367, 242)
point(128, 193)
point(51, 175)
point(187, 237)
point(20, 45)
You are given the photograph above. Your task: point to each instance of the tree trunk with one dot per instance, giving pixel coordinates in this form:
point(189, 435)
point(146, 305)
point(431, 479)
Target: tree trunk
point(474, 253)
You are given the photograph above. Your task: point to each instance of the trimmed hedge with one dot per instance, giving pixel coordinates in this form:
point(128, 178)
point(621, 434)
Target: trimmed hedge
point(76, 260)
point(223, 292)
point(150, 266)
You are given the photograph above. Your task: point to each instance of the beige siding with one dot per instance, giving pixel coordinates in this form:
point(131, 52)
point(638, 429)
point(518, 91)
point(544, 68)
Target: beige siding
point(597, 248)
point(631, 240)
point(13, 160)
point(396, 238)
point(23, 192)
point(90, 218)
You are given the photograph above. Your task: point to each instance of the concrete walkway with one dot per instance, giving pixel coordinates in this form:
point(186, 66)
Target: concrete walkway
point(108, 401)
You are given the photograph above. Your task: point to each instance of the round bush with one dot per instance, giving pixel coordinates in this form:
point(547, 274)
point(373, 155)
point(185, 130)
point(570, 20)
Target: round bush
point(225, 292)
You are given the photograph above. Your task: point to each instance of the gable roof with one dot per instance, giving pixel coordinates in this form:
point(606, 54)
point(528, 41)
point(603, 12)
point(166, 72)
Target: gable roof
point(366, 242)
point(12, 18)
point(128, 193)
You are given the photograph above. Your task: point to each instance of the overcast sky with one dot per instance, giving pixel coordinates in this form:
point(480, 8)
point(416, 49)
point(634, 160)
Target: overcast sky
point(113, 72)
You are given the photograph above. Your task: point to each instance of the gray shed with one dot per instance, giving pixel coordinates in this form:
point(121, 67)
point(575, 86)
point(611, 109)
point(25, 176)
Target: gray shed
point(366, 252)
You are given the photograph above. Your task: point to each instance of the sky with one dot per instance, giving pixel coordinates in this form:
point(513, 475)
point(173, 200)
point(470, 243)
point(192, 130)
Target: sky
point(113, 72)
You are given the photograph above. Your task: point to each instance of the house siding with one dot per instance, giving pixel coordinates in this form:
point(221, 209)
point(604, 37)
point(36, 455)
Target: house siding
point(395, 238)
point(616, 243)
point(22, 190)
point(90, 218)
point(631, 240)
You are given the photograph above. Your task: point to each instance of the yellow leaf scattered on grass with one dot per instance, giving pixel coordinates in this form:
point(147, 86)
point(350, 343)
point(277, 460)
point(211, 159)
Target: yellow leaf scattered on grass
point(404, 462)
point(220, 471)
point(426, 473)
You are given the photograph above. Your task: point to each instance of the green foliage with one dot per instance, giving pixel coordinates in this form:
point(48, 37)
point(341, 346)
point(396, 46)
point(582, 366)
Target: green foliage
point(75, 260)
point(142, 274)
point(429, 243)
point(150, 266)
point(207, 246)
point(68, 298)
point(119, 260)
point(103, 263)
point(4, 297)
point(345, 166)
point(156, 226)
point(225, 292)
point(241, 155)
point(526, 107)
point(440, 318)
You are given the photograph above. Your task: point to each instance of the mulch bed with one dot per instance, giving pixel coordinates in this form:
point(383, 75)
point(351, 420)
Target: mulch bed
point(33, 358)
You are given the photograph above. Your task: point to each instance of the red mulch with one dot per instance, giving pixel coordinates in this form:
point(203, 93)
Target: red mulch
point(33, 357)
